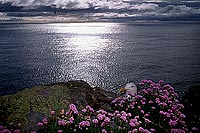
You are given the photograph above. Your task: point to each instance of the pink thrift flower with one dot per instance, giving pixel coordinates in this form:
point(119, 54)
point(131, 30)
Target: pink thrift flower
point(95, 121)
point(132, 124)
point(83, 110)
point(172, 123)
point(68, 113)
point(87, 123)
point(100, 116)
point(71, 119)
point(1, 128)
point(162, 112)
point(107, 119)
point(104, 131)
point(76, 112)
point(17, 131)
point(103, 124)
point(152, 129)
point(123, 118)
point(147, 120)
point(45, 121)
point(142, 111)
point(110, 114)
point(195, 129)
point(40, 124)
point(137, 117)
point(137, 123)
point(88, 107)
point(150, 101)
point(52, 112)
point(161, 81)
point(146, 115)
point(134, 131)
point(129, 114)
point(146, 131)
point(59, 122)
point(6, 131)
point(60, 131)
point(141, 129)
point(182, 116)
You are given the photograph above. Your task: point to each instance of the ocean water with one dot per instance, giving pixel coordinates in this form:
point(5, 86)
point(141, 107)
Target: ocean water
point(106, 55)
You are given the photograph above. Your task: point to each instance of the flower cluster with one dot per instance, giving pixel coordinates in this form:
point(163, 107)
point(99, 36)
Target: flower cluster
point(6, 130)
point(156, 107)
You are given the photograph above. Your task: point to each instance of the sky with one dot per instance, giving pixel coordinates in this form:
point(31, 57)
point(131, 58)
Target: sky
point(99, 10)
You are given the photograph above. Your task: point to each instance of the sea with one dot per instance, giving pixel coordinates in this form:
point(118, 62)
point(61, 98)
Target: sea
point(104, 54)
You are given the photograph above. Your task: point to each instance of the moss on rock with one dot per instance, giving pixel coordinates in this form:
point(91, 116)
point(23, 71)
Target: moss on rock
point(29, 106)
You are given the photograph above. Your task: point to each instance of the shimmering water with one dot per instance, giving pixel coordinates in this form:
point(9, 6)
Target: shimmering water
point(103, 54)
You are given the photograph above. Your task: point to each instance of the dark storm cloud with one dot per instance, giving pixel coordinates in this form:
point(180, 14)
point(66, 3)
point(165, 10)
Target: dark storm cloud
point(104, 9)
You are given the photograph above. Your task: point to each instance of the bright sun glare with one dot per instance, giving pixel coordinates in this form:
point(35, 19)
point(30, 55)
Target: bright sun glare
point(85, 36)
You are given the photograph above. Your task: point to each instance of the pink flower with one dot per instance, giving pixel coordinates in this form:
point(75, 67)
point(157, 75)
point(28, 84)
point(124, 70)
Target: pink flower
point(162, 112)
point(100, 116)
point(195, 129)
point(88, 107)
point(95, 121)
point(83, 110)
point(73, 108)
point(45, 121)
point(147, 120)
point(172, 123)
point(59, 122)
point(142, 111)
point(182, 116)
point(150, 101)
point(132, 124)
point(103, 124)
point(52, 112)
point(129, 114)
point(6, 131)
point(135, 131)
point(161, 81)
point(40, 124)
point(152, 129)
point(17, 131)
point(146, 131)
point(107, 119)
point(71, 119)
point(1, 128)
point(141, 129)
point(60, 131)
point(123, 118)
point(104, 131)
point(84, 124)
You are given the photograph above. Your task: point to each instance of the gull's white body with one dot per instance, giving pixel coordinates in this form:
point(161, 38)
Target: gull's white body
point(131, 88)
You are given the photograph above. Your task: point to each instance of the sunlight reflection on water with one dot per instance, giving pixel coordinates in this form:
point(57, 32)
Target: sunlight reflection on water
point(85, 48)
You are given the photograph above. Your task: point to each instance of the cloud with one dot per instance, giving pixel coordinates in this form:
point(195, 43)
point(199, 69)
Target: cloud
point(3, 16)
point(178, 10)
point(101, 9)
point(145, 6)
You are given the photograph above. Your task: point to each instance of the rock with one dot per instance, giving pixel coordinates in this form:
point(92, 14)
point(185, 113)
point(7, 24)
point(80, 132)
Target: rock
point(33, 104)
point(190, 100)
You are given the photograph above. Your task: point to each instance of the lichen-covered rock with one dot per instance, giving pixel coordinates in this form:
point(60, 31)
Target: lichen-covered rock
point(29, 106)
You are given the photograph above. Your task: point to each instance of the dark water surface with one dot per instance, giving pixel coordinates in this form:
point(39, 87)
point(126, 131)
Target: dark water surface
point(103, 54)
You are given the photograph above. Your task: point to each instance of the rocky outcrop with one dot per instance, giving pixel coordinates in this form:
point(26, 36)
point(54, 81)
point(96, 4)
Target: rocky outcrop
point(29, 106)
point(190, 100)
